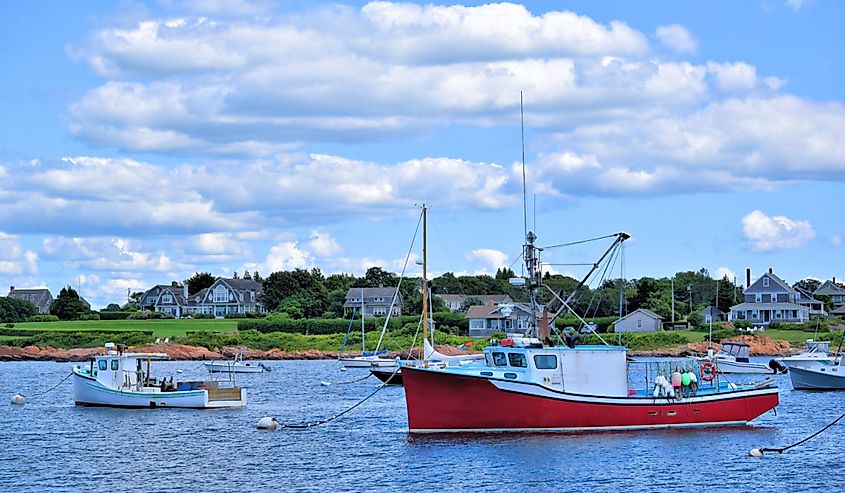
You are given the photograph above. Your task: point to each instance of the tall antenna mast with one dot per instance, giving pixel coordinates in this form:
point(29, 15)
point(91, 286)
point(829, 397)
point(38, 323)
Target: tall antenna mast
point(424, 278)
point(524, 193)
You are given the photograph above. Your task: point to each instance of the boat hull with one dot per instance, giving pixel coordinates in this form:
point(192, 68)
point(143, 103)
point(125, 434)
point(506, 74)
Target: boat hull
point(228, 367)
point(828, 378)
point(88, 391)
point(387, 376)
point(441, 401)
point(367, 362)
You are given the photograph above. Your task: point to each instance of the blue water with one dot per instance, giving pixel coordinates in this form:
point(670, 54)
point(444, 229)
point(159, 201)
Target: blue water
point(50, 444)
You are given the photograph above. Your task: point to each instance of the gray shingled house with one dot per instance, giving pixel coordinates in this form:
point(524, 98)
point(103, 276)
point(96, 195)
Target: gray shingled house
point(639, 320)
point(41, 298)
point(376, 302)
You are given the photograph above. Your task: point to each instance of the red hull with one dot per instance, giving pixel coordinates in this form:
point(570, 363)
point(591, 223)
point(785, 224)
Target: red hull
point(441, 401)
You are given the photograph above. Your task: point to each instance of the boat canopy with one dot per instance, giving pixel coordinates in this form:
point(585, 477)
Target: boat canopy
point(736, 349)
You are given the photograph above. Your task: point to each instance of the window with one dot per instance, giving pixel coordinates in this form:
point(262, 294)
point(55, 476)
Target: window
point(545, 361)
point(639, 323)
point(499, 359)
point(517, 360)
point(221, 294)
point(765, 282)
point(115, 364)
point(166, 298)
point(510, 375)
point(759, 298)
point(103, 364)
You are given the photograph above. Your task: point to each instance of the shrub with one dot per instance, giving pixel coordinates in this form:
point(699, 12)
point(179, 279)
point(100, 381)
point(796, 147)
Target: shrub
point(13, 310)
point(89, 316)
point(10, 326)
point(235, 315)
point(202, 316)
point(640, 341)
point(722, 334)
point(696, 321)
point(43, 318)
point(108, 315)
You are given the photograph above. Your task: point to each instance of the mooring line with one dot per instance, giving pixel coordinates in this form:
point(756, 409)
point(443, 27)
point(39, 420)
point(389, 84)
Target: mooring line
point(758, 452)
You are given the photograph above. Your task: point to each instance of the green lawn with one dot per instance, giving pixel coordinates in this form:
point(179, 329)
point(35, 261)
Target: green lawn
point(160, 328)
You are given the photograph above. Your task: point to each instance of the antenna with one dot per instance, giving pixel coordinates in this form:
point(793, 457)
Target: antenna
point(522, 132)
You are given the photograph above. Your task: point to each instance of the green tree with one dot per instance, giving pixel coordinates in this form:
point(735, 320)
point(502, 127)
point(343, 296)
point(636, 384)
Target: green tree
point(808, 284)
point(113, 307)
point(256, 276)
point(376, 277)
point(471, 301)
point(504, 274)
point(13, 310)
point(67, 306)
point(308, 286)
point(247, 275)
point(199, 281)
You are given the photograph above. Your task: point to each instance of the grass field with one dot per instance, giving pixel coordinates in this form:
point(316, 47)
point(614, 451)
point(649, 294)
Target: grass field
point(160, 328)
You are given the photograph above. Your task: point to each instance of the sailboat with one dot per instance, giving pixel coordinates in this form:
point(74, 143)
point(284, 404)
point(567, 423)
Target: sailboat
point(369, 359)
point(529, 386)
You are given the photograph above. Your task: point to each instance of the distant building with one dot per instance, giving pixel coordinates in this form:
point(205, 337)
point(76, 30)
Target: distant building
point(805, 298)
point(484, 320)
point(839, 312)
point(376, 301)
point(768, 300)
point(41, 298)
point(830, 288)
point(455, 301)
point(640, 320)
point(713, 314)
point(223, 297)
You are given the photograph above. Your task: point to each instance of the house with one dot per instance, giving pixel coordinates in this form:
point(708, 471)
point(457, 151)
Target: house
point(839, 312)
point(222, 297)
point(41, 298)
point(768, 300)
point(376, 301)
point(639, 320)
point(830, 288)
point(713, 314)
point(806, 298)
point(455, 301)
point(484, 320)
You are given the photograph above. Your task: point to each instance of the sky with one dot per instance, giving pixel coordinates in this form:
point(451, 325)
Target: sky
point(144, 141)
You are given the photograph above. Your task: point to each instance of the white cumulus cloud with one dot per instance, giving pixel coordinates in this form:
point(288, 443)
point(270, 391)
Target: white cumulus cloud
point(677, 38)
point(495, 259)
point(836, 240)
point(722, 272)
point(765, 233)
point(323, 244)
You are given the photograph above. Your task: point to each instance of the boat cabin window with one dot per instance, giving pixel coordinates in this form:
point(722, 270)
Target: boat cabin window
point(545, 361)
point(103, 364)
point(499, 359)
point(517, 360)
point(115, 364)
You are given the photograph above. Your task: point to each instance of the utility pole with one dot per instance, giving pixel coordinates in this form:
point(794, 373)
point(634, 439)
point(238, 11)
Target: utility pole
point(673, 302)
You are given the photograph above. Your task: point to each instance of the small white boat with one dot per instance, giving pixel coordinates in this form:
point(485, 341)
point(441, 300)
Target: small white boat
point(815, 355)
point(238, 365)
point(372, 361)
point(733, 358)
point(121, 379)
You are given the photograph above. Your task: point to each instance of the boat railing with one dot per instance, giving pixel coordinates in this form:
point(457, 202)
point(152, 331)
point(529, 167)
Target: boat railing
point(646, 372)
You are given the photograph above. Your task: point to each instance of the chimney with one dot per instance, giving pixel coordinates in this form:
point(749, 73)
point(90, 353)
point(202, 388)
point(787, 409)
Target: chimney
point(770, 270)
point(12, 288)
point(747, 278)
point(185, 291)
point(834, 281)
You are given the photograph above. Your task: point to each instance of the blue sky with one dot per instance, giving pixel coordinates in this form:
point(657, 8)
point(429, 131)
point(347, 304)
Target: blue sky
point(144, 141)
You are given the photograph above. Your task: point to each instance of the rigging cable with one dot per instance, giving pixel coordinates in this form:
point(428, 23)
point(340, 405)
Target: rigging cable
point(579, 242)
point(304, 426)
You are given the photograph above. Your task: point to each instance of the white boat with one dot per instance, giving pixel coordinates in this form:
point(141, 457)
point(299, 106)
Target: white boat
point(815, 355)
point(238, 365)
point(121, 379)
point(371, 361)
point(733, 358)
point(825, 376)
point(433, 356)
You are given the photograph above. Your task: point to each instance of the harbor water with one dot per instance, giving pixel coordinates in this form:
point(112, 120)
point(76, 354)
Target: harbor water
point(51, 445)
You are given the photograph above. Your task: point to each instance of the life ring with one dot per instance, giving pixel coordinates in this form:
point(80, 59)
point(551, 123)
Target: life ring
point(707, 371)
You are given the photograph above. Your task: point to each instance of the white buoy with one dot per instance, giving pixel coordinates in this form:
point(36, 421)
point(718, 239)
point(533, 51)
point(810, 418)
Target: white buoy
point(325, 383)
point(342, 368)
point(267, 423)
point(755, 452)
point(179, 370)
point(18, 400)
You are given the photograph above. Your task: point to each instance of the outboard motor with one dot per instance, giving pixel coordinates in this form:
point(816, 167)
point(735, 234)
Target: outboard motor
point(777, 367)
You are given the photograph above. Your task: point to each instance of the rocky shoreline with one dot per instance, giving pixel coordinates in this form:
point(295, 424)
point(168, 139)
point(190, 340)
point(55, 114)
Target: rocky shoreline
point(760, 346)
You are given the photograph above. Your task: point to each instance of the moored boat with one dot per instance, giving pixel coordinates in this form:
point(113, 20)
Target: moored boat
point(824, 377)
point(734, 358)
point(237, 365)
point(815, 355)
point(122, 379)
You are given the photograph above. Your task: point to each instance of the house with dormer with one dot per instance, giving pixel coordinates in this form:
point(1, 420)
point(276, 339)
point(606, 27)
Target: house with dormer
point(485, 320)
point(770, 299)
point(833, 290)
point(374, 302)
point(41, 298)
point(805, 298)
point(223, 297)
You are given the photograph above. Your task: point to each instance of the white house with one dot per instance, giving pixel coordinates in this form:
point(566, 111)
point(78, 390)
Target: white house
point(376, 301)
point(768, 300)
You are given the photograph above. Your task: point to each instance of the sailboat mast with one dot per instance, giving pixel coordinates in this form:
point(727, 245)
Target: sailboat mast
point(424, 278)
point(363, 346)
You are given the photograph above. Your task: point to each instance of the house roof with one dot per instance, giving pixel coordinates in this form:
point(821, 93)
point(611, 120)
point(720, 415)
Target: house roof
point(371, 292)
point(242, 284)
point(711, 310)
point(645, 312)
point(839, 311)
point(38, 297)
point(806, 295)
point(495, 312)
point(778, 281)
point(828, 288)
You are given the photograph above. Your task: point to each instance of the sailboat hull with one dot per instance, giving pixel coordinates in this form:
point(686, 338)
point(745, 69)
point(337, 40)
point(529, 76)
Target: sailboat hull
point(387, 375)
point(442, 401)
